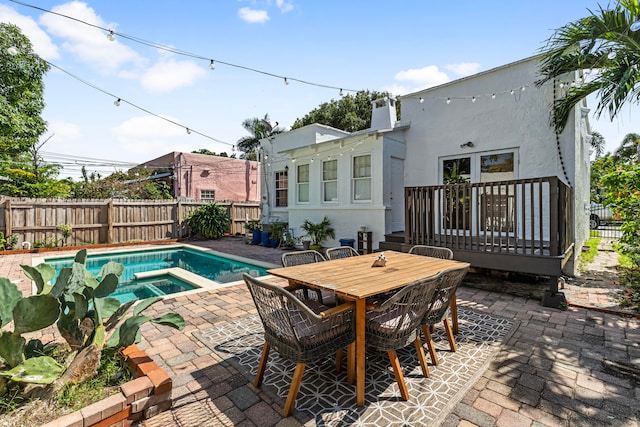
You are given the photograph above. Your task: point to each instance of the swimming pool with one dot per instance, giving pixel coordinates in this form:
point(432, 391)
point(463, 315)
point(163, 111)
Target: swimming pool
point(177, 268)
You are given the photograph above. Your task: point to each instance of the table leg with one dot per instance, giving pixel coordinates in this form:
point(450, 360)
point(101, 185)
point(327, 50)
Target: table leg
point(454, 314)
point(360, 357)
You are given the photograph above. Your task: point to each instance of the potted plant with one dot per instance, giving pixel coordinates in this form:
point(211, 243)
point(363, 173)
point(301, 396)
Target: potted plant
point(277, 233)
point(318, 232)
point(254, 227)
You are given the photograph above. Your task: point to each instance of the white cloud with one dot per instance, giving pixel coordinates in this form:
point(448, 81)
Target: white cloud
point(170, 74)
point(89, 44)
point(464, 69)
point(253, 16)
point(65, 131)
point(148, 134)
point(284, 6)
point(40, 41)
point(422, 78)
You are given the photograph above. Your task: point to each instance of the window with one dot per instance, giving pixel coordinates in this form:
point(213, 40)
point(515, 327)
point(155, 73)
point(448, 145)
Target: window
point(207, 195)
point(362, 178)
point(303, 183)
point(330, 181)
point(282, 193)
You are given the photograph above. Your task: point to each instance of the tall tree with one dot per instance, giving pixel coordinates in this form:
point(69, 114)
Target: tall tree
point(629, 149)
point(21, 92)
point(597, 143)
point(607, 42)
point(351, 113)
point(258, 129)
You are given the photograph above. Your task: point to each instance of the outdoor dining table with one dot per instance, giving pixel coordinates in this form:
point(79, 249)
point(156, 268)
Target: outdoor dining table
point(355, 279)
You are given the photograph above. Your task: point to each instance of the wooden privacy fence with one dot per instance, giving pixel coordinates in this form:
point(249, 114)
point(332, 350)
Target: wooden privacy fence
point(95, 221)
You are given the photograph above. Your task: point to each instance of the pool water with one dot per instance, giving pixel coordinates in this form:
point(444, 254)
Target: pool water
point(209, 266)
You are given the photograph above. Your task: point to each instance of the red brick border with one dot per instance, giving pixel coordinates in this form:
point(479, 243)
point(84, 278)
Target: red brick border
point(141, 398)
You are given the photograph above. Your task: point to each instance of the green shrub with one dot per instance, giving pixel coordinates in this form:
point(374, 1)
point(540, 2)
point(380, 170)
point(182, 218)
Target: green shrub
point(209, 221)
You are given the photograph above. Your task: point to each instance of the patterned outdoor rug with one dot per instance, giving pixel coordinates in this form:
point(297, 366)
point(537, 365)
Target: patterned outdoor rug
point(327, 399)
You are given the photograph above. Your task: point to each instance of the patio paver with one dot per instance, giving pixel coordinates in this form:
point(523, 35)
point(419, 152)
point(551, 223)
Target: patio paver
point(559, 368)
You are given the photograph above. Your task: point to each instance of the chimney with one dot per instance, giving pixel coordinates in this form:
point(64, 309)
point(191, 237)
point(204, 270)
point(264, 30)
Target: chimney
point(383, 114)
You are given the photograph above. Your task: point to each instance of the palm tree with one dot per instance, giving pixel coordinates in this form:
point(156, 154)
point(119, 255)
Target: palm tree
point(597, 143)
point(258, 129)
point(629, 149)
point(607, 42)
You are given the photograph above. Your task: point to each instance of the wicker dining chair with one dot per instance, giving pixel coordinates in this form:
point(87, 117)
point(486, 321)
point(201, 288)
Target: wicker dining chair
point(290, 259)
point(395, 323)
point(441, 300)
point(432, 251)
point(443, 253)
point(341, 252)
point(299, 330)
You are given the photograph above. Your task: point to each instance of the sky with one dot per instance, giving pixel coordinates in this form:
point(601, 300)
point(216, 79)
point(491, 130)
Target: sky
point(376, 45)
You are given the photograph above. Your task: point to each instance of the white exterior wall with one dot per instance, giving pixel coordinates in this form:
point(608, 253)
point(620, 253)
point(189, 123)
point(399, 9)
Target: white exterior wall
point(518, 122)
point(345, 214)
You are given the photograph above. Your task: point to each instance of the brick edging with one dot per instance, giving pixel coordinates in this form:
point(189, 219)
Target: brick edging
point(143, 397)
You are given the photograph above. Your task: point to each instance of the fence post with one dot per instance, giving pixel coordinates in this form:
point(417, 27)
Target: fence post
point(110, 221)
point(7, 218)
point(179, 219)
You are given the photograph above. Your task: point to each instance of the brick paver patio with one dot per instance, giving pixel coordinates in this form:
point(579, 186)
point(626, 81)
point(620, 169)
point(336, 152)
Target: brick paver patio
point(577, 367)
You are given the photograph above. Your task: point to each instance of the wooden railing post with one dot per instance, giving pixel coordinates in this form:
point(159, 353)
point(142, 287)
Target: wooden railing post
point(554, 217)
point(110, 221)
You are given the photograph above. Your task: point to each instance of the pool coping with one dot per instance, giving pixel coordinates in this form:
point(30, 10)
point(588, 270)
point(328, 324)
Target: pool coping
point(203, 284)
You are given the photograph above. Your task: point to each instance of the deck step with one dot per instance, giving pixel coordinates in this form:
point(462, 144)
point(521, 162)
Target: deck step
point(390, 246)
point(397, 237)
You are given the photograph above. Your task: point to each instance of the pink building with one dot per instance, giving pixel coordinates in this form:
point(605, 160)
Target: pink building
point(208, 178)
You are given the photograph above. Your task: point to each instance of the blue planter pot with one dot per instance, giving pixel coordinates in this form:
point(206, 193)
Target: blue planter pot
point(274, 243)
point(266, 241)
point(255, 237)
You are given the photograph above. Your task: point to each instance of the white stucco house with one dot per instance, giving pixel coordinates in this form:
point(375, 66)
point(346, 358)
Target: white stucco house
point(489, 128)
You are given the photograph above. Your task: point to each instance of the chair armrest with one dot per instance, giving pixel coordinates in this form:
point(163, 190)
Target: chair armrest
point(337, 309)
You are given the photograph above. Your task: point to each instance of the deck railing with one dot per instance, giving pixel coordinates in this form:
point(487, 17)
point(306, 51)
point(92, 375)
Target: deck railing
point(523, 216)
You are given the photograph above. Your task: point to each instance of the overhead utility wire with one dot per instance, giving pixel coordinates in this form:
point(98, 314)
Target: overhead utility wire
point(119, 99)
point(111, 32)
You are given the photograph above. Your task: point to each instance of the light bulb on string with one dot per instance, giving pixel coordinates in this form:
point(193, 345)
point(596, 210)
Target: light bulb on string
point(117, 102)
point(473, 99)
point(421, 100)
point(341, 93)
point(188, 131)
point(493, 96)
point(448, 100)
point(111, 36)
point(523, 88)
point(233, 148)
point(561, 85)
point(212, 65)
point(12, 50)
point(286, 82)
point(511, 92)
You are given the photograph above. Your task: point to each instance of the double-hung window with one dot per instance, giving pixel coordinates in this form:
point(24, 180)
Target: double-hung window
point(362, 178)
point(282, 187)
point(303, 183)
point(330, 181)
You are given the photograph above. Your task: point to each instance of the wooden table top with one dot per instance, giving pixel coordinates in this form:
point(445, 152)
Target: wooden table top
point(355, 278)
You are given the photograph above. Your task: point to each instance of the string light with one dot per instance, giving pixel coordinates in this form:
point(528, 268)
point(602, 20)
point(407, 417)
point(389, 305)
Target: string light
point(341, 92)
point(286, 82)
point(473, 99)
point(117, 102)
point(493, 96)
point(111, 35)
point(523, 88)
point(188, 131)
point(511, 92)
point(212, 66)
point(448, 100)
point(421, 100)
